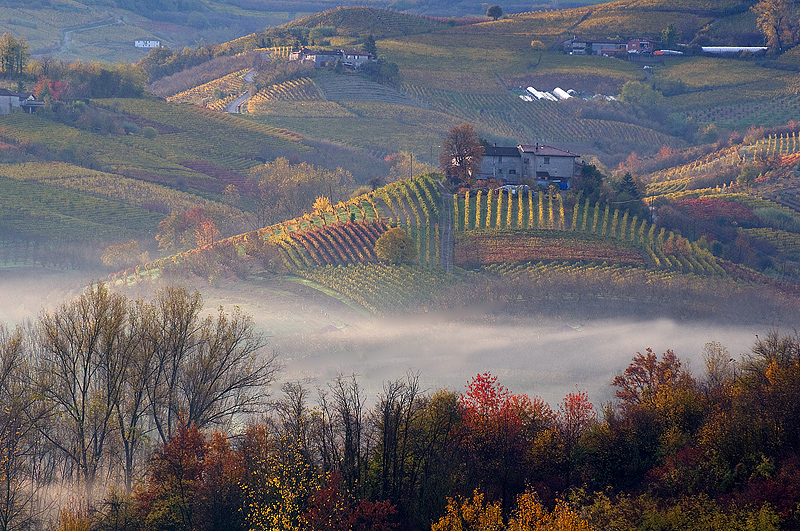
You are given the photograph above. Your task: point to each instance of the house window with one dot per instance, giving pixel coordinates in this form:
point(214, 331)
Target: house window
point(527, 160)
point(499, 159)
point(547, 160)
point(512, 172)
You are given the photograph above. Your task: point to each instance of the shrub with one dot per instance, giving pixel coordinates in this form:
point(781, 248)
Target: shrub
point(396, 246)
point(130, 128)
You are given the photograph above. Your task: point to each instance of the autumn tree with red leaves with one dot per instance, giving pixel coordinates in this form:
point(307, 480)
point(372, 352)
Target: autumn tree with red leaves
point(499, 428)
point(575, 416)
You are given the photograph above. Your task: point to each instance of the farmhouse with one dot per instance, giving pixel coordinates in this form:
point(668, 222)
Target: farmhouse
point(577, 46)
point(146, 43)
point(538, 162)
point(322, 58)
point(14, 100)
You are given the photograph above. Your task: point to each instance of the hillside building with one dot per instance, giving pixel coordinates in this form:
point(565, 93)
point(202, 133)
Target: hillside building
point(146, 44)
point(578, 46)
point(322, 58)
point(24, 101)
point(540, 163)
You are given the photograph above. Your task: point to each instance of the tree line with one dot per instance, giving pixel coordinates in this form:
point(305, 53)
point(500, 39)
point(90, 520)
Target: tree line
point(158, 414)
point(91, 387)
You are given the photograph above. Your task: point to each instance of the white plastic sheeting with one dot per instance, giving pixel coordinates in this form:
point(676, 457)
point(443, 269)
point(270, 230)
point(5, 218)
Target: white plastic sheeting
point(561, 93)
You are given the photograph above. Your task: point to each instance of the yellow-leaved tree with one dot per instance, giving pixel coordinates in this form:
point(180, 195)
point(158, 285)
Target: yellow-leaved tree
point(395, 246)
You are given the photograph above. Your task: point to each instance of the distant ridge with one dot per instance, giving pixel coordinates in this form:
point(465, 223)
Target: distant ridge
point(362, 21)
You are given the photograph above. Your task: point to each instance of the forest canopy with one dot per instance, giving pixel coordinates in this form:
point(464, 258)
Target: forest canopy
point(161, 417)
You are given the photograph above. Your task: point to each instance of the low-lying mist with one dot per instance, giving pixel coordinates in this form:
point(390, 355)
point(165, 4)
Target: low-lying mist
point(548, 358)
point(318, 338)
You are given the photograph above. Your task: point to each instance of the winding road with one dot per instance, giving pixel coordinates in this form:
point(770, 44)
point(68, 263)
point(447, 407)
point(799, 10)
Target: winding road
point(235, 105)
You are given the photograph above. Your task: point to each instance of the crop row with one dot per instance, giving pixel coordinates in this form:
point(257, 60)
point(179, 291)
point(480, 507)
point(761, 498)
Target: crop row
point(526, 210)
point(338, 244)
point(230, 85)
point(414, 203)
point(107, 185)
point(349, 20)
point(36, 209)
point(743, 110)
point(487, 247)
point(109, 152)
point(192, 118)
point(347, 88)
point(711, 162)
point(667, 187)
point(382, 287)
point(509, 116)
point(579, 279)
point(784, 241)
point(288, 235)
point(302, 89)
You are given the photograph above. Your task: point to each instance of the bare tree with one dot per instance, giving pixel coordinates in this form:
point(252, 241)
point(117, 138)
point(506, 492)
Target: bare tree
point(461, 154)
point(85, 350)
point(342, 409)
point(226, 374)
point(132, 406)
point(206, 370)
point(17, 492)
point(174, 329)
point(394, 416)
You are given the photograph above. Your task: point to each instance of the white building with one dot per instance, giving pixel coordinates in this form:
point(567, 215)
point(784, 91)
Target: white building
point(146, 44)
point(10, 100)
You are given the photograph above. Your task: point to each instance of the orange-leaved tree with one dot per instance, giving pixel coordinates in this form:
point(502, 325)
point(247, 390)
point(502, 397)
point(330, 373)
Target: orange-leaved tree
point(646, 375)
point(193, 484)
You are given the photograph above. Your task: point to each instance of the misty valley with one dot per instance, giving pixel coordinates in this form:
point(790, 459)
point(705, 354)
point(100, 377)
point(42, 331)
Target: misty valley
point(442, 266)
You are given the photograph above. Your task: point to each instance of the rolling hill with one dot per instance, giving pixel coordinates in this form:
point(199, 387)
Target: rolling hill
point(705, 135)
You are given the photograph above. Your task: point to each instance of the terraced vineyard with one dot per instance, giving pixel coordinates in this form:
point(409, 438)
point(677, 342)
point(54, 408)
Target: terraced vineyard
point(302, 89)
point(344, 235)
point(109, 153)
point(676, 178)
point(351, 88)
point(784, 146)
point(580, 283)
point(231, 86)
point(784, 241)
point(109, 186)
point(191, 137)
point(476, 248)
point(742, 110)
point(383, 288)
point(496, 228)
point(508, 116)
point(32, 209)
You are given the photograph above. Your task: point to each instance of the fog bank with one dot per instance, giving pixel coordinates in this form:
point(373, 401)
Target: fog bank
point(529, 355)
point(317, 338)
